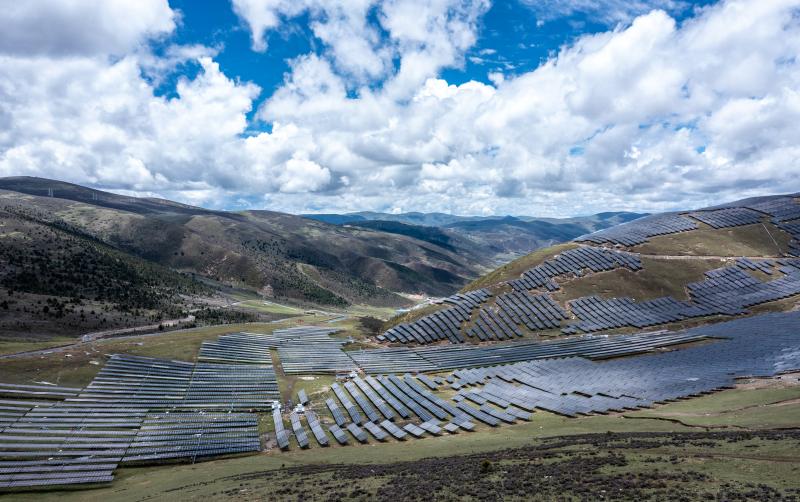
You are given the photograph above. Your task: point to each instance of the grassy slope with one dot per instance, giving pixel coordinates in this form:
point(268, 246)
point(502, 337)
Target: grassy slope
point(517, 267)
point(748, 240)
point(660, 277)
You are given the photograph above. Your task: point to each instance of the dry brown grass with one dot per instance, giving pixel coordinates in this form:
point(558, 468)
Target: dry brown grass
point(660, 277)
point(749, 240)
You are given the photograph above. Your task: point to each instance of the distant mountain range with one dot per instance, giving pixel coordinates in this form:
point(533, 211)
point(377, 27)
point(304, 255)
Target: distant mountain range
point(500, 237)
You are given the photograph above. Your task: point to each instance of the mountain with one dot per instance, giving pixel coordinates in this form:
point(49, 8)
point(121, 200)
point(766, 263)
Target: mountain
point(140, 258)
point(682, 267)
point(499, 238)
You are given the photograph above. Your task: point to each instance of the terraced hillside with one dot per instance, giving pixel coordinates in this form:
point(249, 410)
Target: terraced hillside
point(672, 269)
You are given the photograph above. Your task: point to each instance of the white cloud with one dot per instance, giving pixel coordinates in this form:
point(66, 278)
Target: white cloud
point(81, 27)
point(423, 35)
point(649, 116)
point(303, 175)
point(701, 104)
point(607, 11)
point(91, 121)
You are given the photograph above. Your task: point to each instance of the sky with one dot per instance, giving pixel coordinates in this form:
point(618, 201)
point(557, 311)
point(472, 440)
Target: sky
point(523, 107)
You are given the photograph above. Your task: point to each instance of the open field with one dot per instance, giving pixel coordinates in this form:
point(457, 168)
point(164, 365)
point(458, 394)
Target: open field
point(15, 346)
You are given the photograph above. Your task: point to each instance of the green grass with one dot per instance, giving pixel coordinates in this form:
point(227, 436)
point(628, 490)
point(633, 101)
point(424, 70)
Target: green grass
point(269, 307)
point(368, 310)
point(743, 408)
point(748, 240)
point(660, 277)
point(15, 346)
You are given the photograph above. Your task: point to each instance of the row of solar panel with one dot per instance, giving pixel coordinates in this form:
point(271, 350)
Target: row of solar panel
point(574, 262)
point(779, 208)
point(444, 324)
point(149, 383)
point(758, 346)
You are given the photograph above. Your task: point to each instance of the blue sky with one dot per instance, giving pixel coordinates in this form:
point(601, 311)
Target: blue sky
point(513, 37)
point(537, 107)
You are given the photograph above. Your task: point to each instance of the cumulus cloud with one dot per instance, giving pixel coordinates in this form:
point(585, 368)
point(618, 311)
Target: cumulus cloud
point(423, 36)
point(81, 27)
point(651, 115)
point(644, 116)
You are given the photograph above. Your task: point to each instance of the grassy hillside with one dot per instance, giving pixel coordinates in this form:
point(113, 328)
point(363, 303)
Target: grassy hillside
point(56, 280)
point(284, 257)
point(660, 277)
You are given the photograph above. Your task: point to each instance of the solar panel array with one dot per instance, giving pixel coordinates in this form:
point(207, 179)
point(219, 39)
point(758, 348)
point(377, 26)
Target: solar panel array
point(506, 394)
point(448, 357)
point(730, 290)
point(57, 444)
point(316, 428)
point(597, 314)
point(640, 230)
point(232, 387)
point(574, 262)
point(493, 324)
point(390, 360)
point(765, 266)
point(299, 432)
point(444, 324)
point(137, 382)
point(160, 384)
point(391, 406)
point(792, 228)
point(783, 208)
point(726, 291)
point(81, 438)
point(191, 436)
point(74, 442)
point(281, 436)
point(757, 346)
point(37, 391)
point(728, 217)
point(315, 356)
point(240, 348)
point(536, 312)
